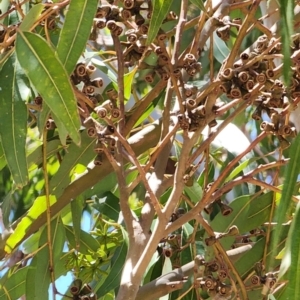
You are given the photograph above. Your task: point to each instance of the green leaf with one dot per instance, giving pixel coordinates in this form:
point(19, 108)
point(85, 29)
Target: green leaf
point(240, 168)
point(76, 209)
point(294, 249)
point(13, 287)
point(194, 192)
point(221, 51)
point(249, 212)
point(36, 157)
point(82, 155)
point(110, 207)
point(31, 17)
point(128, 78)
point(50, 79)
point(290, 176)
point(75, 32)
point(87, 242)
point(2, 158)
point(199, 4)
point(112, 281)
point(39, 206)
point(286, 29)
point(160, 11)
point(42, 272)
point(62, 131)
point(13, 119)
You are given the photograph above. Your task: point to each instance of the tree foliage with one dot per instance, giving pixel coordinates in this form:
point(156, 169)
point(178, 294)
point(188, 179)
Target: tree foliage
point(148, 149)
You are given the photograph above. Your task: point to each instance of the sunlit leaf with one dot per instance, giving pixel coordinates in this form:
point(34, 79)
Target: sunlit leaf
point(75, 32)
point(50, 79)
point(39, 206)
point(13, 119)
point(31, 17)
point(160, 11)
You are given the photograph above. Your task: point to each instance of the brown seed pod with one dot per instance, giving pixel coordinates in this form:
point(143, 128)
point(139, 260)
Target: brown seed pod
point(222, 275)
point(100, 23)
point(50, 124)
point(225, 289)
point(255, 280)
point(225, 209)
point(249, 85)
point(223, 33)
point(243, 76)
point(115, 113)
point(101, 112)
point(191, 71)
point(161, 36)
point(91, 131)
point(139, 19)
point(103, 11)
point(200, 110)
point(111, 25)
point(183, 122)
point(88, 89)
point(38, 100)
point(210, 282)
point(126, 14)
point(235, 92)
point(267, 127)
point(190, 103)
point(80, 70)
point(227, 74)
point(97, 82)
point(76, 287)
point(143, 29)
point(168, 252)
point(189, 58)
point(225, 86)
point(112, 94)
point(285, 130)
point(150, 77)
point(117, 31)
point(98, 147)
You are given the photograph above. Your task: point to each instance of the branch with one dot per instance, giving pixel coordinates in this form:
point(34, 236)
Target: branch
point(161, 285)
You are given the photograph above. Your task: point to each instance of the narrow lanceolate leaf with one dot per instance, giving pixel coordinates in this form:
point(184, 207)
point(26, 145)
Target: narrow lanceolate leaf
point(50, 79)
point(13, 287)
point(287, 17)
point(75, 32)
point(291, 174)
point(294, 272)
point(32, 17)
point(160, 10)
point(38, 207)
point(13, 119)
point(42, 271)
point(112, 281)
